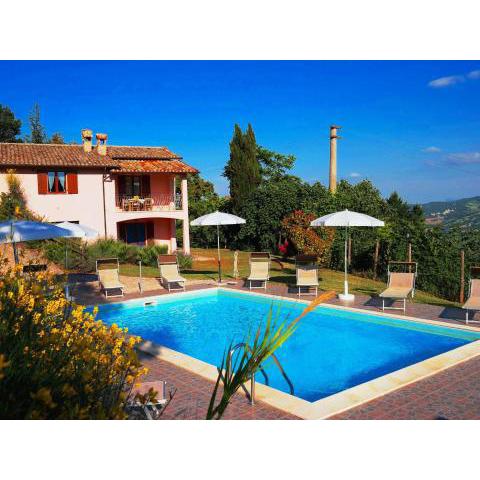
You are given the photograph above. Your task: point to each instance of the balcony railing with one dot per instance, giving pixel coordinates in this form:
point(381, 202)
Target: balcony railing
point(162, 202)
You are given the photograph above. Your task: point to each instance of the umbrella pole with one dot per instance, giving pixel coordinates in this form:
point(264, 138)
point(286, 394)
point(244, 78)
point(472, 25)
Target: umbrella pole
point(345, 285)
point(14, 245)
point(15, 253)
point(66, 255)
point(218, 250)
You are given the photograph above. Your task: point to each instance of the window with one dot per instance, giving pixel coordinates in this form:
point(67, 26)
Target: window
point(134, 185)
point(56, 182)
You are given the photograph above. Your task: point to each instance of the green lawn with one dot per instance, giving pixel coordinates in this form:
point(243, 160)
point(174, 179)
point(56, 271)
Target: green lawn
point(205, 267)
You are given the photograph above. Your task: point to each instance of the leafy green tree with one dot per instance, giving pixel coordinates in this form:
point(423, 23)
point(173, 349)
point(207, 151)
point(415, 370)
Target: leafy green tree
point(243, 168)
point(9, 126)
point(273, 165)
point(266, 208)
point(37, 131)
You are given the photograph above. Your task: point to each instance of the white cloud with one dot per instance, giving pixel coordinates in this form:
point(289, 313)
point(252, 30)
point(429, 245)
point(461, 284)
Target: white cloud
point(355, 175)
point(454, 79)
point(474, 75)
point(464, 158)
point(446, 81)
point(432, 149)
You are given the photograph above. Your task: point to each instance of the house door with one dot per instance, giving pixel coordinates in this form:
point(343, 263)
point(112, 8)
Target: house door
point(135, 233)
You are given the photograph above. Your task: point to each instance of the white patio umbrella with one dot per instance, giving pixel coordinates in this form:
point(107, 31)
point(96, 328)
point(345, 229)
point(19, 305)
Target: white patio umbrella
point(15, 231)
point(217, 218)
point(76, 230)
point(346, 219)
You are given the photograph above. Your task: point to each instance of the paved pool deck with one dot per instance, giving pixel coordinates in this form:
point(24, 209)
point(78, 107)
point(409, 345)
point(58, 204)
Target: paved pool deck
point(451, 394)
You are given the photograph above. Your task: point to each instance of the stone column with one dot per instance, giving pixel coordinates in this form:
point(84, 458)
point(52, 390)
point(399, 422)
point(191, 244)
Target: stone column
point(186, 225)
point(333, 158)
point(173, 236)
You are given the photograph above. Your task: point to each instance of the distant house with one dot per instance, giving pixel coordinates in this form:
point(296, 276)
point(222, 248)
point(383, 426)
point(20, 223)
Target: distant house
point(136, 194)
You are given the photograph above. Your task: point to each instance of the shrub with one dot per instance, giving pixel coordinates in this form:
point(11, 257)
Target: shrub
point(13, 203)
point(56, 360)
point(109, 247)
point(148, 255)
point(54, 251)
point(184, 261)
point(82, 256)
point(306, 239)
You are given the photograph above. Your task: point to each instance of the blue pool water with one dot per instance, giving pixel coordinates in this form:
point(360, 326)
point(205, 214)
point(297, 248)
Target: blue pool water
point(331, 350)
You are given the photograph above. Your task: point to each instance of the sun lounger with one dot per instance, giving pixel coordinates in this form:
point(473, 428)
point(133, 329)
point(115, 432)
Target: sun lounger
point(473, 302)
point(400, 286)
point(307, 273)
point(108, 276)
point(259, 269)
point(169, 272)
point(141, 407)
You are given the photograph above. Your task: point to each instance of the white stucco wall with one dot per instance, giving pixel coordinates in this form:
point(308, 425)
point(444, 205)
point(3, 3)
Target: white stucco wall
point(85, 207)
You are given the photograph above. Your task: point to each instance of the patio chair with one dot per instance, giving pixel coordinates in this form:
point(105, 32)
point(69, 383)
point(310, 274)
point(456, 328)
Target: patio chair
point(134, 204)
point(108, 276)
point(169, 272)
point(125, 204)
point(400, 285)
point(473, 302)
point(148, 204)
point(259, 269)
point(306, 268)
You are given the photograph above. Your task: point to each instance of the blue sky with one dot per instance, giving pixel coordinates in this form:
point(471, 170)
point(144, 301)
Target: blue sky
point(413, 127)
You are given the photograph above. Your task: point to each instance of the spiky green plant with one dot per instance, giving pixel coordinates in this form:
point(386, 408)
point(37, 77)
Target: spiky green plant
point(236, 370)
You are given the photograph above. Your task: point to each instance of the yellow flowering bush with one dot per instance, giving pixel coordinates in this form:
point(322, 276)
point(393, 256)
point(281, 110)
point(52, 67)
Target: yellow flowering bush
point(56, 360)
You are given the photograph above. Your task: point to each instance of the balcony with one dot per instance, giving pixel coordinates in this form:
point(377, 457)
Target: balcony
point(151, 203)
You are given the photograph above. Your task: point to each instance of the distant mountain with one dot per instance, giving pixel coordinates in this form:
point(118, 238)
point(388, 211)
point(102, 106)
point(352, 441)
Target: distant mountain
point(464, 212)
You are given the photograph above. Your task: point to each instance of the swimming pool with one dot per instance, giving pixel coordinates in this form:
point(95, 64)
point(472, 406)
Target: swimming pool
point(332, 350)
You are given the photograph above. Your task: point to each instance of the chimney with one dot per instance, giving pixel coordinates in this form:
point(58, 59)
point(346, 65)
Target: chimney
point(101, 143)
point(333, 158)
point(87, 135)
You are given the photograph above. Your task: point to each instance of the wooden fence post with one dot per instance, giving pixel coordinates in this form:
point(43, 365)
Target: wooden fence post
point(462, 276)
point(375, 259)
point(409, 257)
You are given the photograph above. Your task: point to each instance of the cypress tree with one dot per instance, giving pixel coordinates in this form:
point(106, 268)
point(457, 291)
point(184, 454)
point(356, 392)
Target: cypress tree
point(37, 131)
point(243, 168)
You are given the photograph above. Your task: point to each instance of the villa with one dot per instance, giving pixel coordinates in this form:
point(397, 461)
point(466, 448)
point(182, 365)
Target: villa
point(132, 193)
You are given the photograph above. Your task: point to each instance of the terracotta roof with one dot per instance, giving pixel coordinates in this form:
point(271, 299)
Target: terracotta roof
point(155, 166)
point(125, 158)
point(144, 153)
point(49, 155)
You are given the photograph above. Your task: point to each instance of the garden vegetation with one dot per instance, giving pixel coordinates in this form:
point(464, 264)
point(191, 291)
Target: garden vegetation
point(56, 360)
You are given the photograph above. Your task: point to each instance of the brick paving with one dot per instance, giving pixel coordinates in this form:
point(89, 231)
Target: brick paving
point(192, 397)
point(451, 394)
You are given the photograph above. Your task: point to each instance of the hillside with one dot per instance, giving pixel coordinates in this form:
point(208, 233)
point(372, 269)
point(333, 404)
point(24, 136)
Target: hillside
point(464, 212)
